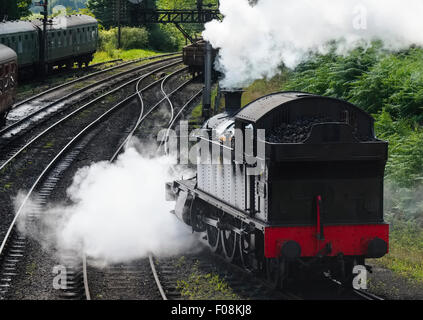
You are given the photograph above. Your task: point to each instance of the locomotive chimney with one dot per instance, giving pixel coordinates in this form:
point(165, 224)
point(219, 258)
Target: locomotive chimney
point(232, 100)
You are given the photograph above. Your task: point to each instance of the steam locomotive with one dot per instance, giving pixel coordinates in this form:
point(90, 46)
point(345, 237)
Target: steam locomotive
point(297, 186)
point(8, 80)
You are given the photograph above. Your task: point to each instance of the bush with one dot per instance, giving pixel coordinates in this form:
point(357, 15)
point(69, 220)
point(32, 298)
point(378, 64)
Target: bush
point(131, 38)
point(134, 38)
point(405, 165)
point(395, 83)
point(166, 38)
point(331, 74)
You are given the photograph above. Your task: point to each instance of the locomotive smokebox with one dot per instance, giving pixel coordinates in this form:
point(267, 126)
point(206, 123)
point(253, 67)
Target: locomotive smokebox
point(232, 99)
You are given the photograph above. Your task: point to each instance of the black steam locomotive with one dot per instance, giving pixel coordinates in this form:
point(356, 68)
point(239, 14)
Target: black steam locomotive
point(306, 194)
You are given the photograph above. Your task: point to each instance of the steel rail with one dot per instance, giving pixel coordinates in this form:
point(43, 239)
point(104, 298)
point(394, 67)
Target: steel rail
point(174, 118)
point(140, 119)
point(59, 155)
point(23, 120)
point(156, 277)
point(367, 295)
point(90, 76)
point(79, 110)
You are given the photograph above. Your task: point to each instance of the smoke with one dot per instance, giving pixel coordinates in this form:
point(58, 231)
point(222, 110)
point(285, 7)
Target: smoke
point(255, 41)
point(116, 212)
point(402, 203)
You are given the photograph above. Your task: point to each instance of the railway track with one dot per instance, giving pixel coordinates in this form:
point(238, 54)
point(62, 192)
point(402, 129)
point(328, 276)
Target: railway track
point(123, 276)
point(13, 245)
point(354, 293)
point(89, 76)
point(168, 271)
point(20, 145)
point(38, 109)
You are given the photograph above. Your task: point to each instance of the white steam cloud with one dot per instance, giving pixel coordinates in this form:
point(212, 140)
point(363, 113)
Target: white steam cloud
point(117, 213)
point(255, 40)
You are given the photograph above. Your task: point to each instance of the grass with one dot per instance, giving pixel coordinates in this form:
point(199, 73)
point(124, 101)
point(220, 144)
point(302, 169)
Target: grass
point(103, 56)
point(31, 268)
point(405, 251)
point(204, 286)
point(48, 145)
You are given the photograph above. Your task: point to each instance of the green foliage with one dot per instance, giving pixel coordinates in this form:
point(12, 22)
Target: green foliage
point(14, 9)
point(84, 11)
point(132, 38)
point(395, 83)
point(370, 78)
point(70, 5)
point(73, 4)
point(125, 55)
point(405, 165)
point(165, 38)
point(205, 286)
point(332, 74)
point(406, 250)
point(102, 10)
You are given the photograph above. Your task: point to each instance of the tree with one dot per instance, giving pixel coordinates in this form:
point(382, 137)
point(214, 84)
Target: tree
point(13, 10)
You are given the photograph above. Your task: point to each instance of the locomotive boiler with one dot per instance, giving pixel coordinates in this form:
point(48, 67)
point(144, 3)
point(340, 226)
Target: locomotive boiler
point(297, 186)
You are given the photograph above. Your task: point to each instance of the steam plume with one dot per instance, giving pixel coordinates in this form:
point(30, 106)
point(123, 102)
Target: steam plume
point(255, 40)
point(117, 213)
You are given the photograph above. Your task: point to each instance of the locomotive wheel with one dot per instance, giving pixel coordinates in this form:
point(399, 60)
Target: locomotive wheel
point(213, 238)
point(229, 244)
point(245, 251)
point(273, 272)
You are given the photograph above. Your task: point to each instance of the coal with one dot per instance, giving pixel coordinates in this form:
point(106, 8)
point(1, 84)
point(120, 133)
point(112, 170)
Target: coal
point(299, 130)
